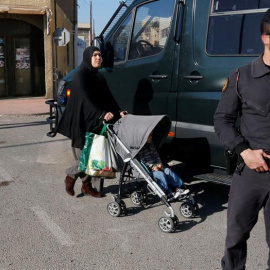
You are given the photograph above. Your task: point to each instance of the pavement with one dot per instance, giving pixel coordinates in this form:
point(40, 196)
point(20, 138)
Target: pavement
point(24, 106)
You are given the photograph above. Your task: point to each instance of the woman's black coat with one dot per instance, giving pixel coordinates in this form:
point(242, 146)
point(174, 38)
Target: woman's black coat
point(90, 99)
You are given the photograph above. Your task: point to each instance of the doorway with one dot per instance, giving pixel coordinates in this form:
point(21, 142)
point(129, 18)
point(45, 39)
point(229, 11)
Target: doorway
point(21, 60)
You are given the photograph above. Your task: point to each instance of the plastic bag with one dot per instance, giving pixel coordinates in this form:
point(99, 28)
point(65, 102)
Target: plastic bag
point(95, 158)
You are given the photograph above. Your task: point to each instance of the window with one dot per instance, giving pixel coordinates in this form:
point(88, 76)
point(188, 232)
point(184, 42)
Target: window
point(236, 5)
point(151, 28)
point(233, 5)
point(118, 16)
point(165, 32)
point(235, 33)
point(120, 40)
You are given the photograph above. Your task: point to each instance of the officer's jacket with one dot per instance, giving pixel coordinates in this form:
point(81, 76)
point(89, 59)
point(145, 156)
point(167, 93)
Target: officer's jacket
point(251, 103)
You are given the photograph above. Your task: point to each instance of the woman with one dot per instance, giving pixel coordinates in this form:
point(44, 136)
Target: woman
point(90, 102)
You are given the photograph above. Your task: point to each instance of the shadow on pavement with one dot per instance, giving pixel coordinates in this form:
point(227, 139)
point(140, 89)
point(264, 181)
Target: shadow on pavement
point(209, 196)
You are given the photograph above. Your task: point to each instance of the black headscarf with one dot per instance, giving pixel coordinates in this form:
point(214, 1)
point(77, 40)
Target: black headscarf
point(90, 99)
point(87, 56)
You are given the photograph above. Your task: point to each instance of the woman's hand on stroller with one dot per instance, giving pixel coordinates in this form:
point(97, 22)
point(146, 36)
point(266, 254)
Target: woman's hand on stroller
point(108, 116)
point(123, 113)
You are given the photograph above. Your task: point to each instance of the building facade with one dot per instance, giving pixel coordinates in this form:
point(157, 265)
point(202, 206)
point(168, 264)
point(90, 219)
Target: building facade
point(84, 33)
point(30, 60)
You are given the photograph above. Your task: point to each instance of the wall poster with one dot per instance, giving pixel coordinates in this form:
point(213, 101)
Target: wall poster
point(22, 58)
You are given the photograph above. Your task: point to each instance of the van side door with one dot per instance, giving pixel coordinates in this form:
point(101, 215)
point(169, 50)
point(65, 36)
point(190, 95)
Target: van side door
point(218, 36)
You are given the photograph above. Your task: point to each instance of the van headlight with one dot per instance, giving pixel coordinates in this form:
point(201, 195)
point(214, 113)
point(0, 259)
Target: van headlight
point(61, 100)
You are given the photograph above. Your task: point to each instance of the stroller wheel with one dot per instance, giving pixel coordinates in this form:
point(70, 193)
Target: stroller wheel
point(166, 224)
point(114, 209)
point(138, 198)
point(135, 197)
point(187, 210)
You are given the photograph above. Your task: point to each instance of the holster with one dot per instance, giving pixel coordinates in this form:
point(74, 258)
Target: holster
point(231, 161)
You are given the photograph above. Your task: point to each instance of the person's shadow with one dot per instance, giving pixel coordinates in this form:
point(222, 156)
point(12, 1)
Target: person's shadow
point(144, 94)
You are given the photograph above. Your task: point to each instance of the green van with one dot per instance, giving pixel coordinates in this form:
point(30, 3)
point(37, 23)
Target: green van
point(172, 57)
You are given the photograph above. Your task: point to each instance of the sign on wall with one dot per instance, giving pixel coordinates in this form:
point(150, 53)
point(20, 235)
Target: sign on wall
point(61, 36)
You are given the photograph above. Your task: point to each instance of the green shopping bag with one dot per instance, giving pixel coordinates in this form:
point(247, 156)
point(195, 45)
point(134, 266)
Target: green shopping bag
point(95, 158)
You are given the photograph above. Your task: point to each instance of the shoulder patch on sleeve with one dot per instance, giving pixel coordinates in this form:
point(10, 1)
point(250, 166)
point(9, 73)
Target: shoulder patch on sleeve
point(225, 85)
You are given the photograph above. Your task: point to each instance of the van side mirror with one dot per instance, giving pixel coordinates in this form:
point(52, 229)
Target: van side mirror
point(97, 42)
point(179, 22)
point(108, 55)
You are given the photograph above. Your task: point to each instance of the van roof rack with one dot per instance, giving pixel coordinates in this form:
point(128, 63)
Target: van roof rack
point(115, 17)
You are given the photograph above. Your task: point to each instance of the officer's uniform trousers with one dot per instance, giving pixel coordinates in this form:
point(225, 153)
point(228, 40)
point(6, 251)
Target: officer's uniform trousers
point(249, 191)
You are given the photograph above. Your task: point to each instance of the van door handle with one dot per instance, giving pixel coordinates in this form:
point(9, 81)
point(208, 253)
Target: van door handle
point(158, 77)
point(194, 77)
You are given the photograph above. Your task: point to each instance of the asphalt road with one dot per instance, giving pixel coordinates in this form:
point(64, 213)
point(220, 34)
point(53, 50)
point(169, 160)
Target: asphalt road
point(44, 228)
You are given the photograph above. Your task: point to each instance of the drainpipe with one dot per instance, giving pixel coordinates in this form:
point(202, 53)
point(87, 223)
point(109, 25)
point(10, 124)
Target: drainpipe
point(55, 62)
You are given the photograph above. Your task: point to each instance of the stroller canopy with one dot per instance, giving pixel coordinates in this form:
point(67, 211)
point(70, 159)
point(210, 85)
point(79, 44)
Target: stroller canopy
point(133, 131)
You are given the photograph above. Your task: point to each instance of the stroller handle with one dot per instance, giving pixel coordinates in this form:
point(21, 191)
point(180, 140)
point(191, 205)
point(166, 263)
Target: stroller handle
point(127, 157)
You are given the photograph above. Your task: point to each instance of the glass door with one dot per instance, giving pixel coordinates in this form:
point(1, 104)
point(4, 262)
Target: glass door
point(2, 68)
point(22, 66)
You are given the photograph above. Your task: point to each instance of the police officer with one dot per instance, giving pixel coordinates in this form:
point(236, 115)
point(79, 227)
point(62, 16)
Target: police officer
point(247, 94)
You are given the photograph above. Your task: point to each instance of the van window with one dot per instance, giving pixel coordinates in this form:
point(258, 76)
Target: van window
point(235, 5)
point(151, 28)
point(235, 33)
point(120, 40)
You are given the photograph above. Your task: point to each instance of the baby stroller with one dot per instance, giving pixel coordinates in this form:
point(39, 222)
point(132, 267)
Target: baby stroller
point(127, 137)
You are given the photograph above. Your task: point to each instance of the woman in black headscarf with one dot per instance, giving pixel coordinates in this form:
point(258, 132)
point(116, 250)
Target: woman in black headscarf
point(90, 102)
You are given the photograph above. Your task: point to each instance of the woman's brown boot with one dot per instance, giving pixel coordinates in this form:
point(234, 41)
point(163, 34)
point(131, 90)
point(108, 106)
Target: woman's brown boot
point(70, 182)
point(88, 190)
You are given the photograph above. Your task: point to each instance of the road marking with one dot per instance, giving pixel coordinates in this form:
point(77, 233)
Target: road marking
point(61, 236)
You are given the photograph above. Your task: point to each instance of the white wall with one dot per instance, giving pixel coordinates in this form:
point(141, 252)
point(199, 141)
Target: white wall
point(81, 45)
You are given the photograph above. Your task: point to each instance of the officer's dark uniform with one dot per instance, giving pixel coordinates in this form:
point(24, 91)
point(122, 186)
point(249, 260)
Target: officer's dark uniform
point(250, 190)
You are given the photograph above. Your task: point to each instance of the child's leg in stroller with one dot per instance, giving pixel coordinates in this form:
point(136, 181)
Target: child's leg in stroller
point(162, 181)
point(175, 182)
point(173, 179)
